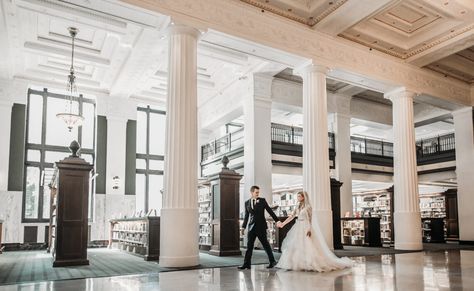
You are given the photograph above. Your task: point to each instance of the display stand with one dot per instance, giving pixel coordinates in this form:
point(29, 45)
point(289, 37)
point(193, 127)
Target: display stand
point(69, 222)
point(225, 189)
point(139, 236)
point(361, 231)
point(433, 230)
point(452, 225)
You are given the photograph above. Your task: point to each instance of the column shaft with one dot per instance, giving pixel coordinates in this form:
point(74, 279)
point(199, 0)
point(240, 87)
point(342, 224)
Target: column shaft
point(315, 148)
point(407, 218)
point(257, 138)
point(343, 160)
point(464, 135)
point(179, 216)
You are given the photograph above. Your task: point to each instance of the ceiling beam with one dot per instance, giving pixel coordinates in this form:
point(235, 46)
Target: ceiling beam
point(349, 14)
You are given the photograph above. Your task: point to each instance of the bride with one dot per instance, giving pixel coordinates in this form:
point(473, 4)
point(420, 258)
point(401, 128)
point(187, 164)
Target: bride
point(304, 248)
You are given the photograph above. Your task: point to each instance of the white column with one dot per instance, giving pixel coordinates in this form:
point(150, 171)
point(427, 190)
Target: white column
point(116, 147)
point(464, 136)
point(179, 216)
point(316, 178)
point(342, 131)
point(5, 125)
point(257, 137)
point(407, 218)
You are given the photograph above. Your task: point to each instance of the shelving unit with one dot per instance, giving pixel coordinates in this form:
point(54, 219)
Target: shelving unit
point(361, 231)
point(433, 230)
point(139, 236)
point(377, 204)
point(286, 200)
point(433, 206)
point(205, 215)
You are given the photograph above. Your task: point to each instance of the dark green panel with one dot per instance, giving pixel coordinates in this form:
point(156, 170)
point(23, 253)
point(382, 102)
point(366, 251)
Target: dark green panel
point(130, 157)
point(101, 159)
point(17, 148)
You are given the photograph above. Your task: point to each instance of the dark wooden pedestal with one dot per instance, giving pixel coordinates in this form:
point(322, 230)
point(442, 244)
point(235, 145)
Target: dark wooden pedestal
point(336, 211)
point(225, 188)
point(72, 206)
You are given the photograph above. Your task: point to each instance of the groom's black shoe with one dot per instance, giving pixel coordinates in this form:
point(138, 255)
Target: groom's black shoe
point(271, 265)
point(243, 267)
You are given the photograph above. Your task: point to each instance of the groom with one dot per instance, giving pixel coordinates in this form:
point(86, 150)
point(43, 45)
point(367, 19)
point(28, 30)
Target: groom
point(255, 209)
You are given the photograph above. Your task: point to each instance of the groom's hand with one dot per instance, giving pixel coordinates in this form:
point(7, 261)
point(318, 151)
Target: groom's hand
point(279, 224)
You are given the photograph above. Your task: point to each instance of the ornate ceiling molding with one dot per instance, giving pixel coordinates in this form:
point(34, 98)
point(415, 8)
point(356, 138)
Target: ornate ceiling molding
point(311, 21)
point(235, 18)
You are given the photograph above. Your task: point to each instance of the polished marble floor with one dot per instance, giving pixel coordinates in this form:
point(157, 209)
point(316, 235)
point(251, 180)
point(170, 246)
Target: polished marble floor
point(439, 270)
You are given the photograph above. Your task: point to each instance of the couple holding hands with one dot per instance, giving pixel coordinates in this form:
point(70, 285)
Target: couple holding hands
point(303, 249)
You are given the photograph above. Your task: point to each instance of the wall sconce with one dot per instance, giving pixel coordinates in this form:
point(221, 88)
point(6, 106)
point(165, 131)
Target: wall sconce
point(116, 182)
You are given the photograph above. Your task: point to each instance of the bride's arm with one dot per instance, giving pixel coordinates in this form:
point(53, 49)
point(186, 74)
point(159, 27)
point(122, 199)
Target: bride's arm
point(310, 216)
point(288, 220)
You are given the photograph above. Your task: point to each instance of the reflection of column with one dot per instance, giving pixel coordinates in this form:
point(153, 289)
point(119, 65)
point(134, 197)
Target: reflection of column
point(257, 138)
point(315, 147)
point(5, 124)
point(464, 135)
point(410, 269)
point(342, 128)
point(179, 216)
point(407, 218)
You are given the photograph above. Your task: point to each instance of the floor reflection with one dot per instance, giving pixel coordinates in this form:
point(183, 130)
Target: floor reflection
point(442, 270)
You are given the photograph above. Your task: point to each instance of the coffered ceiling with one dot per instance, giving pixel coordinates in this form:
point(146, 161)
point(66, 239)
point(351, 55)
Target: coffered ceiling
point(434, 34)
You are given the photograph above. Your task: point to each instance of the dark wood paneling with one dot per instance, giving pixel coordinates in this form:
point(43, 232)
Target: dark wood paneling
point(17, 148)
point(101, 158)
point(30, 234)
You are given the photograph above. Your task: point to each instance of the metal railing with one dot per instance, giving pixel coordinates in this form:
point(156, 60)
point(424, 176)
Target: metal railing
point(223, 145)
point(281, 133)
point(293, 135)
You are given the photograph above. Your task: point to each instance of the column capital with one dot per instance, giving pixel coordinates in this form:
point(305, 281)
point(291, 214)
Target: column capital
point(400, 92)
point(178, 28)
point(311, 67)
point(464, 110)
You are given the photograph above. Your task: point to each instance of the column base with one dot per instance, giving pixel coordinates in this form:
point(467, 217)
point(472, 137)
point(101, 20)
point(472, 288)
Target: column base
point(407, 231)
point(324, 220)
point(179, 230)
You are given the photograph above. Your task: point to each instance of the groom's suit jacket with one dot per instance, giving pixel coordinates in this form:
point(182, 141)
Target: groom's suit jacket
point(256, 217)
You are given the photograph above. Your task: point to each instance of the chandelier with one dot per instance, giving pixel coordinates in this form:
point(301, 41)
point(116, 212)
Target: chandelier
point(71, 117)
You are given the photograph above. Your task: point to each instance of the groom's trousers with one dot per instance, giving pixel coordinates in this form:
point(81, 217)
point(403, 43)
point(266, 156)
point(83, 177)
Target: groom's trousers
point(262, 237)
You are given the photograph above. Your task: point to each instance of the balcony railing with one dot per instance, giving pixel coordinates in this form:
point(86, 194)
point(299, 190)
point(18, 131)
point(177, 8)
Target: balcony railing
point(293, 135)
point(426, 148)
point(223, 145)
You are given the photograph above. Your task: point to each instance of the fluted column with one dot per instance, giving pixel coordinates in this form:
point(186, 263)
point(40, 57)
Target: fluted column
point(257, 137)
point(316, 179)
point(407, 218)
point(179, 215)
point(464, 135)
point(342, 128)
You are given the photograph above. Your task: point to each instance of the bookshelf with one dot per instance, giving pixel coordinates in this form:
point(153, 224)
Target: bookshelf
point(139, 236)
point(377, 204)
point(205, 215)
point(361, 231)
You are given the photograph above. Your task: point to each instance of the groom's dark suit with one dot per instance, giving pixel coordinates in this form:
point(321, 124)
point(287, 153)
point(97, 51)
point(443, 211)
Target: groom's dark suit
point(255, 217)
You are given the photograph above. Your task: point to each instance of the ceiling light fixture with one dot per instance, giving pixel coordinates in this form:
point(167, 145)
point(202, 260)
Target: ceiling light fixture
point(71, 116)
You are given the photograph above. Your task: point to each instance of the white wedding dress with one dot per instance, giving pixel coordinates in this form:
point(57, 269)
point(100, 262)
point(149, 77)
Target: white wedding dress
point(303, 253)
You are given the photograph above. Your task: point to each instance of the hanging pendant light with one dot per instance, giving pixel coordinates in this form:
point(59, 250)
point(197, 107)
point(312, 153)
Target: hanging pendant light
point(71, 117)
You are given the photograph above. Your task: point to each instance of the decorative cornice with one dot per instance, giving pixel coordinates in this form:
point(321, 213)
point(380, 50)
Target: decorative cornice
point(233, 18)
point(292, 16)
point(412, 52)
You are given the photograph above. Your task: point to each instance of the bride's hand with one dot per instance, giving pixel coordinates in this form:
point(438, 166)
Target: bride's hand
point(308, 234)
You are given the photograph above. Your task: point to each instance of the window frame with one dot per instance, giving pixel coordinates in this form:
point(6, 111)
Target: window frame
point(43, 148)
point(147, 156)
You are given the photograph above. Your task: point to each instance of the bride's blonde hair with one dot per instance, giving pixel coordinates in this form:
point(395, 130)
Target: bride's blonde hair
point(305, 202)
